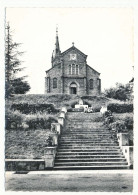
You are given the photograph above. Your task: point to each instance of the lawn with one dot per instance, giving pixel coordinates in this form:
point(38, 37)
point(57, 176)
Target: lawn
point(25, 144)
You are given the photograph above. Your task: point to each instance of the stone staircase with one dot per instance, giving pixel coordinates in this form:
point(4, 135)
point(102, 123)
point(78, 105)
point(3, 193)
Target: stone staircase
point(86, 144)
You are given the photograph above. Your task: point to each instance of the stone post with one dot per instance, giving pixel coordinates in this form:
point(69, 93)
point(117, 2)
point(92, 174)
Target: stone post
point(61, 121)
point(49, 156)
point(64, 109)
point(126, 149)
point(62, 114)
point(55, 139)
point(123, 139)
point(56, 127)
point(128, 153)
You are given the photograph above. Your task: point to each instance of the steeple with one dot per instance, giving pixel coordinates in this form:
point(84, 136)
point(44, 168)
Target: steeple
point(57, 48)
point(56, 52)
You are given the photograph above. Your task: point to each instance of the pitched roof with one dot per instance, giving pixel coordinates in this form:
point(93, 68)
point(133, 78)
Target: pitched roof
point(73, 48)
point(93, 69)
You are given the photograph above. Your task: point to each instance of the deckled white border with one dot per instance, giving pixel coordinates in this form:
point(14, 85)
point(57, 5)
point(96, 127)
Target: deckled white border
point(66, 3)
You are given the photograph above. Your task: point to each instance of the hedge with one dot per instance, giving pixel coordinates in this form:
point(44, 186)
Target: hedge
point(120, 108)
point(39, 123)
point(13, 120)
point(34, 108)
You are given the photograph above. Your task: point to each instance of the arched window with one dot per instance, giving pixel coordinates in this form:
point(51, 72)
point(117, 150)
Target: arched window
point(73, 69)
point(91, 83)
point(69, 69)
point(54, 82)
point(99, 84)
point(77, 69)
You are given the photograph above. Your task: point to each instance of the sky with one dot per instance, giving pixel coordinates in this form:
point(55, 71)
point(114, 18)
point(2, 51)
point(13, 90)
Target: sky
point(104, 34)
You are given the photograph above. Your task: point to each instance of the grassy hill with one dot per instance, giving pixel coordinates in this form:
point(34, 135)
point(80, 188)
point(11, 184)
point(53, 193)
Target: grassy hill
point(59, 100)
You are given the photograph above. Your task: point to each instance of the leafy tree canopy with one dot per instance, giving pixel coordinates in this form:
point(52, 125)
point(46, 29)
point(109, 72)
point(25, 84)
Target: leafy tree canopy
point(13, 83)
point(120, 92)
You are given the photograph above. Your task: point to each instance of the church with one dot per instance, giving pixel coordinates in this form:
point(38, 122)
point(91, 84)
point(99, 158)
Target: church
point(70, 73)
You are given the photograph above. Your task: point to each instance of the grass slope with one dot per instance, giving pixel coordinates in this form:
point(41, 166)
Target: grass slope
point(59, 100)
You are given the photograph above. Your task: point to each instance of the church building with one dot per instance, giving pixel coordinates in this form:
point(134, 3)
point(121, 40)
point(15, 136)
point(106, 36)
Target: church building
point(70, 73)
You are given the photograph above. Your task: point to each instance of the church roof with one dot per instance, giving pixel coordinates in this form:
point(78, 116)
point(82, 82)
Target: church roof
point(73, 48)
point(93, 69)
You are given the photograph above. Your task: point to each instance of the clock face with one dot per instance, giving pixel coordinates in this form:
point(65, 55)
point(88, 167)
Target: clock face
point(73, 56)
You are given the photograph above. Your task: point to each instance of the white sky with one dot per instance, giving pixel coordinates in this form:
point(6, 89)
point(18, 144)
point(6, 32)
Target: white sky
point(104, 34)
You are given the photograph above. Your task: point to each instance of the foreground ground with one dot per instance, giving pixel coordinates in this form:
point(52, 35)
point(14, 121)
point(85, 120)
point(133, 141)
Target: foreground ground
point(75, 181)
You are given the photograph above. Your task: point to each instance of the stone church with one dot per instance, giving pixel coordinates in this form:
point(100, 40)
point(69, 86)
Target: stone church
point(70, 73)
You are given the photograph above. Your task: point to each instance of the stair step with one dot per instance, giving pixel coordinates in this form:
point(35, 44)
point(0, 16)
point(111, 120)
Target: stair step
point(88, 133)
point(84, 140)
point(92, 156)
point(84, 152)
point(88, 149)
point(89, 163)
point(91, 147)
point(87, 140)
point(91, 144)
point(90, 160)
point(97, 167)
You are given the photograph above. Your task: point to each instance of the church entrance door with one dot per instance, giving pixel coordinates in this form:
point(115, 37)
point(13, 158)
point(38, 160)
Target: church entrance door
point(73, 88)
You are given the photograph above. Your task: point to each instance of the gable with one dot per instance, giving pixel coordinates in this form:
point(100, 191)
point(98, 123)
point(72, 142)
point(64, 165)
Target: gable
point(74, 50)
point(93, 69)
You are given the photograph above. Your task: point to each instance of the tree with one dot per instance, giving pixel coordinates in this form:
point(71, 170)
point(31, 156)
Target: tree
point(12, 67)
point(120, 92)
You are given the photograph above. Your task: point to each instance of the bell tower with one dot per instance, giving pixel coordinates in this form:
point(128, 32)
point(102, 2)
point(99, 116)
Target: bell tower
point(56, 52)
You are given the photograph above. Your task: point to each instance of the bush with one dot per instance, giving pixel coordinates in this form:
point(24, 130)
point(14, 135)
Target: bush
point(108, 118)
point(120, 108)
point(35, 122)
point(14, 119)
point(119, 126)
point(34, 108)
point(129, 123)
point(96, 108)
point(120, 92)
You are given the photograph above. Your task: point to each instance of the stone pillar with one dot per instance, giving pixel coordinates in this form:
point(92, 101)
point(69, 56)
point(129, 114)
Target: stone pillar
point(55, 139)
point(64, 109)
point(62, 114)
point(56, 127)
point(128, 153)
point(49, 156)
point(61, 121)
point(123, 139)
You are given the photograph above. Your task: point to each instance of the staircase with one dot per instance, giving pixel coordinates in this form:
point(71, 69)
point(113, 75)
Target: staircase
point(86, 144)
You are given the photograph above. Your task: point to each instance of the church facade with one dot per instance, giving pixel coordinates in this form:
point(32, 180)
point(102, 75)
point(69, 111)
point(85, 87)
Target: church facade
point(70, 73)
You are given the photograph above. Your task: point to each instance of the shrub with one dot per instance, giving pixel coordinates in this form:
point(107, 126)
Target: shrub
point(120, 108)
point(14, 119)
point(35, 122)
point(96, 108)
point(34, 108)
point(120, 92)
point(129, 122)
point(73, 103)
point(119, 126)
point(108, 118)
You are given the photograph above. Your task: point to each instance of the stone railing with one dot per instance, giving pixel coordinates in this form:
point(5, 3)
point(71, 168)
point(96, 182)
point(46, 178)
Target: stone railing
point(127, 150)
point(56, 130)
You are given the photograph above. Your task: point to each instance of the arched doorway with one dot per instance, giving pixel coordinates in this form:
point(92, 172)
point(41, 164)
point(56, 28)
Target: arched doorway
point(73, 88)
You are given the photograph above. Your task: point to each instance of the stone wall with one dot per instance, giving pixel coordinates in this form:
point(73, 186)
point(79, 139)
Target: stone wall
point(91, 74)
point(55, 72)
point(81, 61)
point(81, 85)
point(24, 164)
